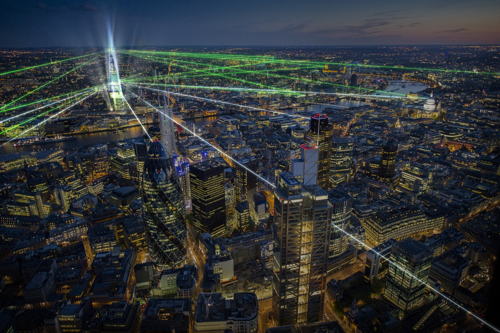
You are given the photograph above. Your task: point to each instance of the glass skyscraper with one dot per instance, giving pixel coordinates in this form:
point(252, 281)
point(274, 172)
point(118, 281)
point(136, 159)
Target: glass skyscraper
point(163, 208)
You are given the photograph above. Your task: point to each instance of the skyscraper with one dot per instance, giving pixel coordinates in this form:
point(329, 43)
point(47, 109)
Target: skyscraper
point(388, 160)
point(181, 165)
point(167, 130)
point(320, 134)
point(302, 215)
point(241, 183)
point(114, 86)
point(208, 197)
point(341, 216)
point(410, 262)
point(305, 169)
point(341, 160)
point(163, 208)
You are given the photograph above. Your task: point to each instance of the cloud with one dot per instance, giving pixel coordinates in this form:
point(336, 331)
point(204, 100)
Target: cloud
point(453, 31)
point(409, 25)
point(370, 26)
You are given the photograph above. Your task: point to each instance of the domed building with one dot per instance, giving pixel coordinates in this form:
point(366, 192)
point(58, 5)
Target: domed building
point(163, 209)
point(430, 105)
point(430, 108)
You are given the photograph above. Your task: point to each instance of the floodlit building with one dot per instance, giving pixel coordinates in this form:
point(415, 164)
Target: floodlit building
point(303, 218)
point(400, 223)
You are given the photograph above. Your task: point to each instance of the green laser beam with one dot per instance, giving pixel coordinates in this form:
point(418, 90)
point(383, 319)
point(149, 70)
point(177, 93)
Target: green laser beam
point(263, 91)
point(44, 85)
point(39, 108)
point(45, 64)
point(347, 64)
point(52, 116)
point(10, 128)
point(189, 73)
point(218, 74)
point(20, 106)
point(196, 72)
point(308, 81)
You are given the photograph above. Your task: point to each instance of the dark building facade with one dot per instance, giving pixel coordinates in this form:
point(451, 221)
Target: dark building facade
point(341, 160)
point(408, 271)
point(208, 197)
point(388, 160)
point(163, 209)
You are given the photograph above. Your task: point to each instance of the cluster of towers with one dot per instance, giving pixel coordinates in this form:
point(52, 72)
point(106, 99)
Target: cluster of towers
point(310, 214)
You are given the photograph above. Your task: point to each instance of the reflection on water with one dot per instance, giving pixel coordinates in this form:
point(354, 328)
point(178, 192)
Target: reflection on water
point(93, 139)
point(405, 87)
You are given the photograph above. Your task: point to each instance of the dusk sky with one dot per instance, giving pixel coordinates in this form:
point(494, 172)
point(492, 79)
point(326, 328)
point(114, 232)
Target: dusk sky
point(34, 23)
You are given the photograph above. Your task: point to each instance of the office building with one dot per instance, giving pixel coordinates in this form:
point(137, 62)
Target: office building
point(167, 130)
point(208, 197)
point(230, 199)
point(302, 215)
point(387, 168)
point(74, 317)
point(163, 209)
point(320, 134)
point(400, 223)
point(215, 314)
point(409, 267)
point(341, 164)
point(341, 215)
point(241, 183)
point(170, 315)
point(305, 169)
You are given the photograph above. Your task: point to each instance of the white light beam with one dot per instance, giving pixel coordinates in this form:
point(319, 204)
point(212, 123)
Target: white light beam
point(216, 101)
point(41, 107)
point(275, 91)
point(51, 117)
point(208, 143)
point(136, 117)
point(426, 284)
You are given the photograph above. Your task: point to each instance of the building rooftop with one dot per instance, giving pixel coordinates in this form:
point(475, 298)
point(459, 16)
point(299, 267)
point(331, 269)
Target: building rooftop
point(411, 249)
point(214, 307)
